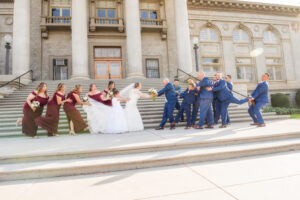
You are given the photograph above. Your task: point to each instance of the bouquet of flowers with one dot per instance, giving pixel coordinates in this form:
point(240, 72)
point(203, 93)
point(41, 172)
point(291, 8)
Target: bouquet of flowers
point(110, 94)
point(153, 92)
point(35, 104)
point(85, 99)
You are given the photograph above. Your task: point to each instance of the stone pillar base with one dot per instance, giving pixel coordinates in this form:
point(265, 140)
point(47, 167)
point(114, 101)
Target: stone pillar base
point(78, 76)
point(135, 75)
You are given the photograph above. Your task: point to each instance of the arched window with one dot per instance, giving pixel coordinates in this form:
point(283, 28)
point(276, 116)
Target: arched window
point(243, 61)
point(273, 55)
point(240, 36)
point(270, 37)
point(208, 35)
point(211, 51)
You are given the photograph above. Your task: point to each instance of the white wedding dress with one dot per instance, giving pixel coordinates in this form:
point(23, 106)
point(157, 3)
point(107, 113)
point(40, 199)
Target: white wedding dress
point(134, 119)
point(117, 122)
point(97, 116)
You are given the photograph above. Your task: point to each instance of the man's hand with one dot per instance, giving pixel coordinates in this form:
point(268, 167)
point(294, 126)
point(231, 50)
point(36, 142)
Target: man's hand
point(209, 89)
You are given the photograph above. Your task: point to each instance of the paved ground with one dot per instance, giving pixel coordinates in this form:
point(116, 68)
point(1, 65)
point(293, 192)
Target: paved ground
point(275, 177)
point(45, 145)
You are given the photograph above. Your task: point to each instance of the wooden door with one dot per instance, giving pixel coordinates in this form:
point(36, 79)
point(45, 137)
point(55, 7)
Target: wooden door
point(108, 69)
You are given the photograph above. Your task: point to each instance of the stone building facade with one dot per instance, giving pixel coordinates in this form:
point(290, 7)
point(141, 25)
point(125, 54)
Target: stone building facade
point(101, 39)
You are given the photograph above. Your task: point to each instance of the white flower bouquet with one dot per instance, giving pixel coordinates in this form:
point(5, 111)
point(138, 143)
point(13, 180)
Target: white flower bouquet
point(35, 104)
point(85, 99)
point(110, 94)
point(153, 92)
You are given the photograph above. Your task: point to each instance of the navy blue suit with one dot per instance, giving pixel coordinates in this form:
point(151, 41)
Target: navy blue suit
point(226, 97)
point(189, 97)
point(230, 87)
point(171, 97)
point(261, 97)
point(206, 98)
point(216, 105)
point(196, 106)
point(177, 105)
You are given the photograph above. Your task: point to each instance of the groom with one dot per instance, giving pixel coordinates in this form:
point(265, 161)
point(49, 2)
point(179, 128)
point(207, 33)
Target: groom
point(171, 99)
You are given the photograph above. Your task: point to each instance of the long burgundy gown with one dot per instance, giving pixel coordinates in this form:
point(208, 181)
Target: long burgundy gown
point(105, 102)
point(50, 121)
point(73, 114)
point(29, 127)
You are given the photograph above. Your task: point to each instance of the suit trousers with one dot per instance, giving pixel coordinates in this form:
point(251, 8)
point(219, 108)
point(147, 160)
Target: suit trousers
point(206, 112)
point(255, 114)
point(168, 113)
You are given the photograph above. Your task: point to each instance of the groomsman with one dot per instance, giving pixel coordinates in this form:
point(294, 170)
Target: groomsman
point(196, 106)
point(206, 98)
point(171, 98)
point(225, 97)
point(216, 101)
point(178, 91)
point(230, 87)
point(259, 97)
point(188, 99)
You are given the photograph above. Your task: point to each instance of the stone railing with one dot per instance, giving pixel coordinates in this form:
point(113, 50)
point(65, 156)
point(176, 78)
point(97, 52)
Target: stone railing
point(106, 23)
point(51, 20)
point(152, 22)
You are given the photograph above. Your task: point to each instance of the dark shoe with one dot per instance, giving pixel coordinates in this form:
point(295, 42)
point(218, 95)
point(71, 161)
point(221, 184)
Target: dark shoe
point(223, 126)
point(187, 127)
point(199, 127)
point(182, 121)
point(254, 124)
point(209, 127)
point(261, 125)
point(172, 126)
point(159, 128)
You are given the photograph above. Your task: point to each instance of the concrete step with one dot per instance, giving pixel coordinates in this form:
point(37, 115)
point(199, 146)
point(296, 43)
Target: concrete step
point(137, 160)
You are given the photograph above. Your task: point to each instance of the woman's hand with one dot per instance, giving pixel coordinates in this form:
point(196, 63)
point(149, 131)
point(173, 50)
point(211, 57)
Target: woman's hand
point(69, 100)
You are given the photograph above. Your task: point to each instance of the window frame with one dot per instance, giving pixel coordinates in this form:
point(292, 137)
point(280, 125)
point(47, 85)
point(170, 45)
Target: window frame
point(158, 67)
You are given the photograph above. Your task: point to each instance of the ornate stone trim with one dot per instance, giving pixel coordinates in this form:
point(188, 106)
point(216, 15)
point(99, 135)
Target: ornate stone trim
point(249, 6)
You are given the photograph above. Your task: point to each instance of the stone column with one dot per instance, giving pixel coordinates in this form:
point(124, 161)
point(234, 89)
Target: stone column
point(21, 37)
point(289, 68)
point(229, 61)
point(79, 40)
point(260, 60)
point(134, 40)
point(183, 36)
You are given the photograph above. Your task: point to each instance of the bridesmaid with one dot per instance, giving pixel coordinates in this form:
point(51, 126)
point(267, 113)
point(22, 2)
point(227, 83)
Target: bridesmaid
point(94, 93)
point(50, 121)
point(106, 100)
point(30, 113)
point(76, 123)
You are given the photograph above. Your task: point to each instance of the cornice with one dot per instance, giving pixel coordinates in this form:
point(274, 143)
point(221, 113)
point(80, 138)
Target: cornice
point(234, 5)
point(6, 1)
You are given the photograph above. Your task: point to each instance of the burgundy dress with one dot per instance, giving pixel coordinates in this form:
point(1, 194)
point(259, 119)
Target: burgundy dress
point(106, 102)
point(50, 121)
point(73, 114)
point(28, 124)
point(96, 97)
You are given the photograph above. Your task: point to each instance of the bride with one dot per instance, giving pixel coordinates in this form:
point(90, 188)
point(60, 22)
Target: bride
point(134, 119)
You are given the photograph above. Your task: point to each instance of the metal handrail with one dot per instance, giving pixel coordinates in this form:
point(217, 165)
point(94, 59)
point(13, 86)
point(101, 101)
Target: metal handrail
point(19, 79)
point(199, 80)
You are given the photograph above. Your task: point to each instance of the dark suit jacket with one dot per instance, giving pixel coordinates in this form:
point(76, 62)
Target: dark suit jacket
point(169, 92)
point(261, 93)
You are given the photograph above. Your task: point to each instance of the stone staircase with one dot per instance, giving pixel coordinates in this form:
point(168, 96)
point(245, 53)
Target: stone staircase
point(11, 106)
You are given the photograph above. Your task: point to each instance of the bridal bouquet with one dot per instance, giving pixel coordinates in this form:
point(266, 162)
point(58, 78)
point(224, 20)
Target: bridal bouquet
point(85, 99)
point(110, 94)
point(153, 91)
point(35, 104)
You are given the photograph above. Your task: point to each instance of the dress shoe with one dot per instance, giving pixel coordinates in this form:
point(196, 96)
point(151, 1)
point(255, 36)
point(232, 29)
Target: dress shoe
point(187, 127)
point(261, 125)
point(223, 126)
point(254, 124)
point(209, 127)
point(172, 126)
point(182, 121)
point(199, 127)
point(159, 128)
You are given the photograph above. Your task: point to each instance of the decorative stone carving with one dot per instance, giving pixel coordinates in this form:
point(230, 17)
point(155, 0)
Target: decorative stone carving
point(256, 28)
point(295, 26)
point(225, 27)
point(8, 21)
point(284, 29)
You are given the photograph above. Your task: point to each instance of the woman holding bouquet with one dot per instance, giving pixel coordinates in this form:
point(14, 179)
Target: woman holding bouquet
point(33, 108)
point(76, 123)
point(107, 95)
point(50, 121)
